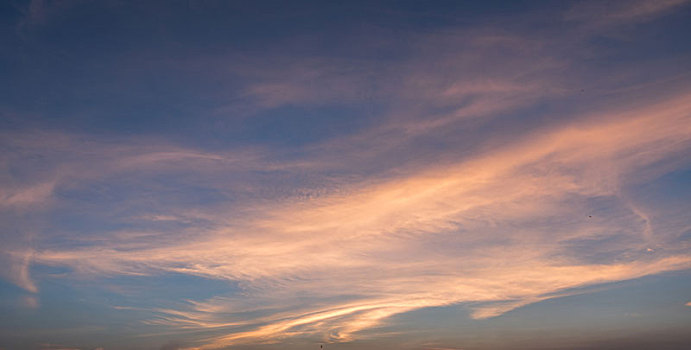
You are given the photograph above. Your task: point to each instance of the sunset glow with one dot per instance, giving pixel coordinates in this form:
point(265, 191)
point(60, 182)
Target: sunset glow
point(350, 175)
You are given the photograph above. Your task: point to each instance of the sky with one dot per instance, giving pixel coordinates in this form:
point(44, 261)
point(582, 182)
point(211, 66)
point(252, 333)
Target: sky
point(415, 175)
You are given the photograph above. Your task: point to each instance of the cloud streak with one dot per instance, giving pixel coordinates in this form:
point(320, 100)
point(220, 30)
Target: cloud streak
point(484, 232)
point(477, 182)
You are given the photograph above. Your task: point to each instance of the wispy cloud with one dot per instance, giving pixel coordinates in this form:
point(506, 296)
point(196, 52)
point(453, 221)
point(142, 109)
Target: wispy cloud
point(613, 13)
point(469, 189)
point(478, 231)
point(16, 268)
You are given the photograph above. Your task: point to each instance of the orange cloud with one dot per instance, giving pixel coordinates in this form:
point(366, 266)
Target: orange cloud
point(479, 232)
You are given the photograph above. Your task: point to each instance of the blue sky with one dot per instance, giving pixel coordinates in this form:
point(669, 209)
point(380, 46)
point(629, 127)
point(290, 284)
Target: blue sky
point(357, 175)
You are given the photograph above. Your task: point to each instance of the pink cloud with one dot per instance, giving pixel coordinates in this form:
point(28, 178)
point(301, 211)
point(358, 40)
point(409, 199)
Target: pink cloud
point(381, 240)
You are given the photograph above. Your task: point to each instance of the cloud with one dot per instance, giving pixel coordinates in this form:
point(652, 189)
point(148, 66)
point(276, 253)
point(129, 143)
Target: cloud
point(493, 232)
point(16, 265)
point(37, 194)
point(516, 208)
point(609, 13)
point(171, 346)
point(30, 302)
